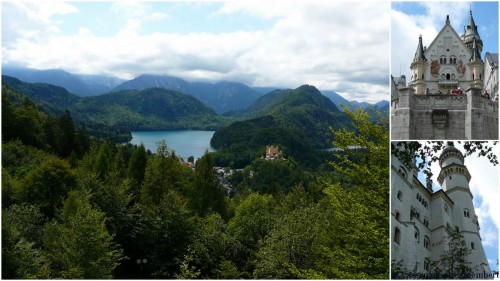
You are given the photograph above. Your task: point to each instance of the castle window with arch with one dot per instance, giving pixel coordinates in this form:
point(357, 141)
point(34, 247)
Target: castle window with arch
point(427, 242)
point(398, 216)
point(445, 208)
point(466, 213)
point(397, 235)
point(426, 222)
point(400, 196)
point(472, 246)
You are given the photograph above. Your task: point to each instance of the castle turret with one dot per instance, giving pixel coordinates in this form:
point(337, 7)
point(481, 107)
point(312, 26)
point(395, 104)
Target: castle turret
point(476, 65)
point(418, 67)
point(454, 179)
point(471, 33)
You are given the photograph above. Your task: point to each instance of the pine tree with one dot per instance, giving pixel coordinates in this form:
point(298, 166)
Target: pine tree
point(79, 245)
point(137, 164)
point(208, 195)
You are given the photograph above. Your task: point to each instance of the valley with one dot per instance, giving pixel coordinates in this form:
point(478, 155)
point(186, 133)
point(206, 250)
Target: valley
point(113, 174)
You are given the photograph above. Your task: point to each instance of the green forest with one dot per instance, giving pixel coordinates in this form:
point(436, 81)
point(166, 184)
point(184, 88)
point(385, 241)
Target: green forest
point(76, 206)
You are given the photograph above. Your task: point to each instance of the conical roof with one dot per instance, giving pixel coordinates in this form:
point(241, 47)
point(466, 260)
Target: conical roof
point(470, 31)
point(475, 52)
point(419, 53)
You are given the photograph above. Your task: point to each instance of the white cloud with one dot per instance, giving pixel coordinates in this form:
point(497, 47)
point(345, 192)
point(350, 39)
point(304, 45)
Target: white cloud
point(31, 20)
point(334, 46)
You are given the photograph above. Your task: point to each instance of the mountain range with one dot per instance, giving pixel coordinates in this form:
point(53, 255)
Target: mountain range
point(222, 97)
point(149, 109)
point(81, 85)
point(299, 120)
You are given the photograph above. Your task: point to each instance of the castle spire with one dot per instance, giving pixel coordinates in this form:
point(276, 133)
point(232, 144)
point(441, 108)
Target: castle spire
point(419, 54)
point(475, 52)
point(470, 32)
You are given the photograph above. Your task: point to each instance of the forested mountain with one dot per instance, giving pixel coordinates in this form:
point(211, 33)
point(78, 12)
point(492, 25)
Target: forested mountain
point(352, 105)
point(150, 109)
point(299, 121)
point(303, 109)
point(55, 98)
point(81, 85)
point(221, 96)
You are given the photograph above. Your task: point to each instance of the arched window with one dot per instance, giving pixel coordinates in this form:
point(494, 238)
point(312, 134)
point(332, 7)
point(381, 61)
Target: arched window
point(400, 196)
point(417, 235)
point(427, 242)
point(457, 229)
point(472, 246)
point(398, 216)
point(445, 208)
point(466, 213)
point(397, 235)
point(426, 222)
point(447, 76)
point(447, 225)
point(442, 76)
point(453, 76)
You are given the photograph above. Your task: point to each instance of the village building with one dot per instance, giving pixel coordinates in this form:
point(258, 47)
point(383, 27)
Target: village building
point(452, 92)
point(420, 216)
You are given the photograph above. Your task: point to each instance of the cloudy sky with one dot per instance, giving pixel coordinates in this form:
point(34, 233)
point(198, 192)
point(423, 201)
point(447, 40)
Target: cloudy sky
point(410, 19)
point(334, 46)
point(484, 185)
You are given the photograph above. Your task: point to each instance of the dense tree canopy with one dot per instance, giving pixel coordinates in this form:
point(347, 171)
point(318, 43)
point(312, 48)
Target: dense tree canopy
point(81, 207)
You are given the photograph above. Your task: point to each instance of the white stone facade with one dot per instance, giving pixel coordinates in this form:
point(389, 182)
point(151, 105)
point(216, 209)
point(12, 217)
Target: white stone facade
point(428, 108)
point(491, 74)
point(419, 216)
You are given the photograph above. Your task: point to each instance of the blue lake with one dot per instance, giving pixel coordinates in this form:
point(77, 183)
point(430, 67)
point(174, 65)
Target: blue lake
point(184, 143)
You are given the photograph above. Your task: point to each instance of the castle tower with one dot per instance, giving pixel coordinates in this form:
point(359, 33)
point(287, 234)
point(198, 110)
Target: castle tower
point(476, 65)
point(471, 33)
point(418, 67)
point(454, 179)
